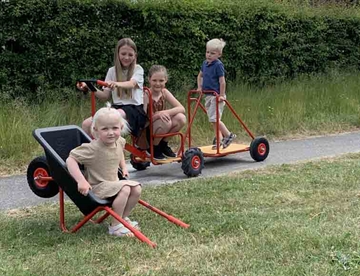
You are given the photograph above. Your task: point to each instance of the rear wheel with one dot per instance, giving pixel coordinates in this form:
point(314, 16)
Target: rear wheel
point(259, 149)
point(42, 188)
point(192, 162)
point(140, 166)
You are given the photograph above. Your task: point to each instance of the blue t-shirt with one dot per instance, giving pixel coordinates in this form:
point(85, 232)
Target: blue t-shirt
point(211, 74)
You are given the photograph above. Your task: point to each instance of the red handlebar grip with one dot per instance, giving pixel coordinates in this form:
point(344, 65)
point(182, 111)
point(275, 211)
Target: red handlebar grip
point(102, 83)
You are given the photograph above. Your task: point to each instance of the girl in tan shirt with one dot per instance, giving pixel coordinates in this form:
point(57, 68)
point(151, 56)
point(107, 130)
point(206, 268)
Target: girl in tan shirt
point(101, 159)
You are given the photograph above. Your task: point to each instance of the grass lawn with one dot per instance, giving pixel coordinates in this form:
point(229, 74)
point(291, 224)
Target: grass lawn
point(285, 220)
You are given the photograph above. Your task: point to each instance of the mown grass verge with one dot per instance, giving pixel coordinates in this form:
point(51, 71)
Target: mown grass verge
point(286, 220)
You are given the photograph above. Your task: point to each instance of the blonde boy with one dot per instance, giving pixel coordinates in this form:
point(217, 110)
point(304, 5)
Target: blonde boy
point(212, 77)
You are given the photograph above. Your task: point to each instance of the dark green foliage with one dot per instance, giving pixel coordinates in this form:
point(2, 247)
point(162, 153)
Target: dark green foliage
point(48, 44)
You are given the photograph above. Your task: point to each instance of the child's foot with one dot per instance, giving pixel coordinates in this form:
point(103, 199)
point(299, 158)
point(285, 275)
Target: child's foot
point(120, 230)
point(133, 223)
point(228, 140)
point(214, 147)
point(158, 155)
point(166, 150)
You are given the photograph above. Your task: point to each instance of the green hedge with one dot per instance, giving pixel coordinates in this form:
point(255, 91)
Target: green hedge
point(47, 44)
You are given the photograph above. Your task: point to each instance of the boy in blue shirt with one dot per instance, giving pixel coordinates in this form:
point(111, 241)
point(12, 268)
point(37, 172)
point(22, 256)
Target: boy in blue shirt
point(212, 77)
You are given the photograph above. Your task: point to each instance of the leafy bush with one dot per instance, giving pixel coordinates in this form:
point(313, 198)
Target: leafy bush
point(48, 44)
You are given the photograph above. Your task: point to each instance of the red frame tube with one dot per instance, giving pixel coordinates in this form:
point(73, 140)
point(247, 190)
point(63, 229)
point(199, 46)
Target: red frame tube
point(153, 136)
point(111, 212)
point(191, 114)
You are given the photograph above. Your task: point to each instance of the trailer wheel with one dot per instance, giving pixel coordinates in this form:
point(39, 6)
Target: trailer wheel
point(259, 149)
point(42, 188)
point(192, 162)
point(139, 166)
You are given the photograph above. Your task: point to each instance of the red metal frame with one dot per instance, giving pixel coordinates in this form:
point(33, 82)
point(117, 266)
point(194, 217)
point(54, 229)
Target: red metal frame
point(110, 212)
point(131, 148)
point(153, 136)
point(141, 154)
point(192, 114)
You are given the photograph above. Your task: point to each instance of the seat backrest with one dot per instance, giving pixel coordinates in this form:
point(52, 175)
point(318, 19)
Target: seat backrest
point(57, 143)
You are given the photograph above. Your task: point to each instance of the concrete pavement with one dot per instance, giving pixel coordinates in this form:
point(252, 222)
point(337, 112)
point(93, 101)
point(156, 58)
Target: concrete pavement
point(15, 193)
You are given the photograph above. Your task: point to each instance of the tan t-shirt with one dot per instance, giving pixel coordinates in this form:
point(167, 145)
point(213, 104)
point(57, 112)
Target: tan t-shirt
point(101, 164)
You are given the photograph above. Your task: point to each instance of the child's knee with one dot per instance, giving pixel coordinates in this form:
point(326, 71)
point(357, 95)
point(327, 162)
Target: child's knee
point(168, 125)
point(125, 190)
point(181, 119)
point(136, 190)
point(86, 124)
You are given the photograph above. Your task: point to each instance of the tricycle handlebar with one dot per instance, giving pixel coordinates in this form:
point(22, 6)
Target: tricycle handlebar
point(90, 83)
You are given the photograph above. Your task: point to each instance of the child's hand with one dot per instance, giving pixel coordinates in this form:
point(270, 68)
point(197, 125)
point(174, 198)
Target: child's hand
point(164, 116)
point(84, 187)
point(82, 87)
point(221, 98)
point(125, 172)
point(199, 89)
point(112, 84)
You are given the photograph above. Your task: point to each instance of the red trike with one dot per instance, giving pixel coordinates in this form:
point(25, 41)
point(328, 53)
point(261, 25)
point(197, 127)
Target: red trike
point(192, 159)
point(259, 147)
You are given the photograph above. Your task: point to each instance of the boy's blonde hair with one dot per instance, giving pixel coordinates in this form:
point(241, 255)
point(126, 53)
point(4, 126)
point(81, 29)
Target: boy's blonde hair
point(216, 44)
point(107, 111)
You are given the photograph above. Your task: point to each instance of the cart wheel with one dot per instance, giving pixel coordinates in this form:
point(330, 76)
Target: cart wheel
point(259, 149)
point(140, 166)
point(192, 162)
point(42, 188)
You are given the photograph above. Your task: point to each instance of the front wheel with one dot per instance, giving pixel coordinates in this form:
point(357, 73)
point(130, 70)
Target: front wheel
point(139, 166)
point(259, 149)
point(42, 188)
point(192, 162)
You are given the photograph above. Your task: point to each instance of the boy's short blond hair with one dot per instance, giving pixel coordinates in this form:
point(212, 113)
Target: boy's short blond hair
point(216, 44)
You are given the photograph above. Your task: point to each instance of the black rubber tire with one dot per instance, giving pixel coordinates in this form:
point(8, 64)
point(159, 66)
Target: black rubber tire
point(259, 149)
point(192, 162)
point(139, 166)
point(45, 189)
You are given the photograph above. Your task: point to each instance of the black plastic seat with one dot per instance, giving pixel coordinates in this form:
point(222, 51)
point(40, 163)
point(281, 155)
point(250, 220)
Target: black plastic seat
point(57, 143)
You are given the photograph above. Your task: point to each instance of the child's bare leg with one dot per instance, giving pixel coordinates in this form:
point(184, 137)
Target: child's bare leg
point(223, 129)
point(135, 192)
point(119, 203)
point(122, 113)
point(177, 122)
point(86, 125)
point(160, 127)
point(220, 133)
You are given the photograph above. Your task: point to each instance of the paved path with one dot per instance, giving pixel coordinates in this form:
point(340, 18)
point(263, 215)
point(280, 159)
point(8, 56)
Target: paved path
point(15, 193)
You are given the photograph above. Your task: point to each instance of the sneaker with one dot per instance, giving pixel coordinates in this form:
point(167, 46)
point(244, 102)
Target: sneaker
point(214, 147)
point(158, 155)
point(228, 140)
point(166, 150)
point(120, 231)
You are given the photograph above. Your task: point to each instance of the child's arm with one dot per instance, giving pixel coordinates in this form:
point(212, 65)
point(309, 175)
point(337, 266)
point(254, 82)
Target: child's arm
point(103, 94)
point(222, 88)
point(123, 84)
point(146, 102)
point(199, 81)
point(74, 170)
point(136, 81)
point(100, 94)
point(123, 166)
